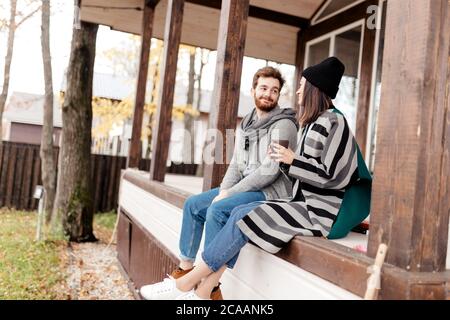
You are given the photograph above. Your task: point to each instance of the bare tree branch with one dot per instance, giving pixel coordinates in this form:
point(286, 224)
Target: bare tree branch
point(29, 15)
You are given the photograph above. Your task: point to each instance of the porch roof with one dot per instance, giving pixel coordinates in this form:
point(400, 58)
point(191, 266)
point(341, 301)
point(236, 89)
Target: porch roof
point(271, 32)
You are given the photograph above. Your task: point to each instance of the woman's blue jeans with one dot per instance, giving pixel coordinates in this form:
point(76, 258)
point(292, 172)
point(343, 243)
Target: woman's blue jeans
point(199, 212)
point(227, 244)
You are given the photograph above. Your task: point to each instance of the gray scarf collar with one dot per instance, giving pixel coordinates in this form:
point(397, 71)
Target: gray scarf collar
point(252, 126)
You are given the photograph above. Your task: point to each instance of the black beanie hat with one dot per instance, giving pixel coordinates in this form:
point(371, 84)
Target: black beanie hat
point(326, 75)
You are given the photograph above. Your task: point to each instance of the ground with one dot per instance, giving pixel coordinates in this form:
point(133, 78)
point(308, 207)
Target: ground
point(93, 270)
point(52, 269)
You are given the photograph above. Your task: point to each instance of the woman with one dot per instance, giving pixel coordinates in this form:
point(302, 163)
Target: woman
point(327, 171)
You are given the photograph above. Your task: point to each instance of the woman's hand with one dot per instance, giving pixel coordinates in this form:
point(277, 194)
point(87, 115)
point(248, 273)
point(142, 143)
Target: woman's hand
point(281, 154)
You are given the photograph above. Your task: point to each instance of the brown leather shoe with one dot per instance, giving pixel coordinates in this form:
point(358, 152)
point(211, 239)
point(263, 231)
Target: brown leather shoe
point(178, 272)
point(216, 294)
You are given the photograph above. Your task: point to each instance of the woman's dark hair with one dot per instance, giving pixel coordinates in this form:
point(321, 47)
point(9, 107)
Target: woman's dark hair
point(314, 103)
point(268, 72)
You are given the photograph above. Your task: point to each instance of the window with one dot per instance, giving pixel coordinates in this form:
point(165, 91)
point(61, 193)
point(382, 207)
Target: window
point(376, 92)
point(347, 49)
point(345, 44)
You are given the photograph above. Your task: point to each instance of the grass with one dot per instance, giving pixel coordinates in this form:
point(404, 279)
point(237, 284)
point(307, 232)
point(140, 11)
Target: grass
point(31, 270)
point(105, 220)
point(28, 269)
point(104, 225)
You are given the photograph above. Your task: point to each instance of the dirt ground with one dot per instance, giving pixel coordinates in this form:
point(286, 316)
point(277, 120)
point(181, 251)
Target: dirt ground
point(93, 271)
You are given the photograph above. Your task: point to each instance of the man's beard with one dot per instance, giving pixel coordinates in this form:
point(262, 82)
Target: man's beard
point(265, 107)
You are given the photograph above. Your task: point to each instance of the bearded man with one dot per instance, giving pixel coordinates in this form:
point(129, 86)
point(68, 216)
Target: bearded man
point(251, 175)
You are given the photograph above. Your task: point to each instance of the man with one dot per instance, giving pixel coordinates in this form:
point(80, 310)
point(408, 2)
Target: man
point(251, 176)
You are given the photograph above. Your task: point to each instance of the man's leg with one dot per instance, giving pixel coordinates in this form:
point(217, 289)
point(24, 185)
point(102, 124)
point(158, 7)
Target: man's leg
point(194, 216)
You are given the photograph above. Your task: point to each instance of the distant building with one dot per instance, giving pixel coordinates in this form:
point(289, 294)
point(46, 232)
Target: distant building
point(23, 117)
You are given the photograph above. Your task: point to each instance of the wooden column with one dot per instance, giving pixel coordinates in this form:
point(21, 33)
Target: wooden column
point(411, 191)
point(162, 130)
point(299, 64)
point(230, 55)
point(365, 86)
point(135, 152)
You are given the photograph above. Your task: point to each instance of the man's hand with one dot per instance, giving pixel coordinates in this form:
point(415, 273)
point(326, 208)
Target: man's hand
point(222, 195)
point(281, 154)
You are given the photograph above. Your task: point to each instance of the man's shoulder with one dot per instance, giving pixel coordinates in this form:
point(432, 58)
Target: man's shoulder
point(284, 124)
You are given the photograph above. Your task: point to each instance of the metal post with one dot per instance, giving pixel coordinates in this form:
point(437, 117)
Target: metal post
point(39, 193)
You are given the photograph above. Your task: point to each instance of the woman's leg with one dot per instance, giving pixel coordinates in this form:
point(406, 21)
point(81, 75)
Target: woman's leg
point(227, 244)
point(193, 278)
point(219, 212)
point(206, 287)
point(223, 251)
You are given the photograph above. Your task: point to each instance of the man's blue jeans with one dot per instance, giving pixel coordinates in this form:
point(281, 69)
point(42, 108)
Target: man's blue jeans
point(199, 212)
point(225, 247)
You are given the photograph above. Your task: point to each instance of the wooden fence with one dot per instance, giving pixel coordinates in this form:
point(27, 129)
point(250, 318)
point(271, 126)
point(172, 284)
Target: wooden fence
point(20, 172)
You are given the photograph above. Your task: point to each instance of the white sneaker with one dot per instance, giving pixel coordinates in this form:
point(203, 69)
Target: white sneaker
point(190, 295)
point(165, 290)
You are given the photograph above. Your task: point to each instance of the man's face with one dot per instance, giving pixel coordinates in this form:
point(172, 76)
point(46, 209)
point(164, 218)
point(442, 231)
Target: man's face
point(266, 93)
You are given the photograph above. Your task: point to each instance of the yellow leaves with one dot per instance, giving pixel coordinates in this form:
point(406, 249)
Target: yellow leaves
point(178, 112)
point(108, 114)
point(150, 108)
point(189, 49)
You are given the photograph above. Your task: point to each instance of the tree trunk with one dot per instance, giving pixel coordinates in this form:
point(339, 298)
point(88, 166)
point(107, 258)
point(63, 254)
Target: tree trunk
point(8, 59)
point(189, 140)
point(74, 196)
point(47, 157)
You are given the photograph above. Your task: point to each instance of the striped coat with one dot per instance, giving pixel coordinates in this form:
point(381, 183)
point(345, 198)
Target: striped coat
point(325, 164)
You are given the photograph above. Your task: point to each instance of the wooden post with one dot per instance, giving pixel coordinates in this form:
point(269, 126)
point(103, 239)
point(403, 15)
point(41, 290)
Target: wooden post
point(230, 55)
point(411, 191)
point(162, 130)
point(365, 86)
point(299, 65)
point(135, 152)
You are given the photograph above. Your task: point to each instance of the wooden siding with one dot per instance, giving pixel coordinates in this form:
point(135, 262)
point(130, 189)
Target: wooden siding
point(265, 39)
point(147, 260)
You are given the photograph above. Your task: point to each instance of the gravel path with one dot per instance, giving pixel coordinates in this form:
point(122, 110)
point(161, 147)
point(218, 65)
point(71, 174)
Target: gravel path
point(93, 272)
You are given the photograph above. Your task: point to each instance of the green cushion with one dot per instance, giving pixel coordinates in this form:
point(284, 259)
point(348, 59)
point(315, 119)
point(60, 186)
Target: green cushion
point(355, 206)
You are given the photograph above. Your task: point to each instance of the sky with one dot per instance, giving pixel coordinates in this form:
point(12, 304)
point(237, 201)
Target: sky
point(27, 71)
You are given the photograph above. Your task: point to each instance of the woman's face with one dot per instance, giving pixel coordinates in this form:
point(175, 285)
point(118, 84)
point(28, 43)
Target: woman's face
point(301, 90)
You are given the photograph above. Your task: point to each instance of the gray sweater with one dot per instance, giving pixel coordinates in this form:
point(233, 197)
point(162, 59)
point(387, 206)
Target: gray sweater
point(251, 169)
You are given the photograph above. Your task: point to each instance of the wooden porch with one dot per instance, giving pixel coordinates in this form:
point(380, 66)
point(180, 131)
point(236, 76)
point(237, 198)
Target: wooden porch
point(411, 192)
